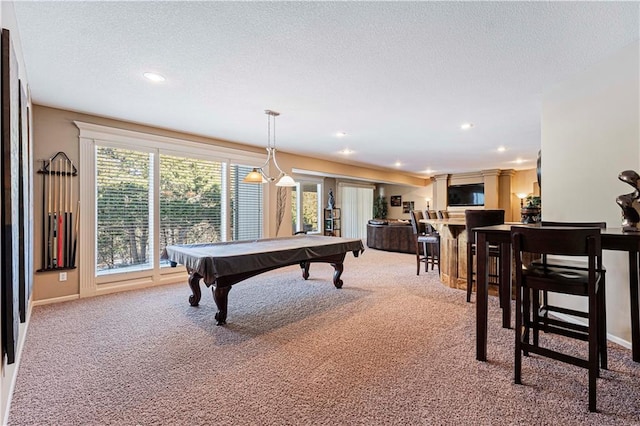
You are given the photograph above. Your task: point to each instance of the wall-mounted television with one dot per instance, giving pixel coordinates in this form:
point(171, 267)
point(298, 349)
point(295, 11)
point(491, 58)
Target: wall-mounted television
point(466, 195)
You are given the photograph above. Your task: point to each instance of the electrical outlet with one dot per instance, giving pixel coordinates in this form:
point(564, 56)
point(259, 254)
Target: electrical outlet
point(63, 276)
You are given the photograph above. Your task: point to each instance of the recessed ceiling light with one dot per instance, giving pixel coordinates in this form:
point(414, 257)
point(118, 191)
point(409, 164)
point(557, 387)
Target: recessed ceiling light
point(347, 151)
point(502, 149)
point(466, 126)
point(157, 78)
point(341, 134)
point(398, 163)
point(519, 161)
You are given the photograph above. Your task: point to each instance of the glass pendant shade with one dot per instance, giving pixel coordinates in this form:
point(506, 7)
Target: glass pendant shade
point(254, 177)
point(286, 180)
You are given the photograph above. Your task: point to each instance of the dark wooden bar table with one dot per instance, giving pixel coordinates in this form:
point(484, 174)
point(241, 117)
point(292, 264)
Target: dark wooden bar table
point(612, 239)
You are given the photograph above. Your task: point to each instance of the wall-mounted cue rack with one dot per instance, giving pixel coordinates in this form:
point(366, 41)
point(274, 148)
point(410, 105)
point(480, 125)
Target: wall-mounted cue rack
point(59, 220)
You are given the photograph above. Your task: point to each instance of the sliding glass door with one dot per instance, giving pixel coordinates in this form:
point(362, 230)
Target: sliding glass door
point(306, 208)
point(357, 208)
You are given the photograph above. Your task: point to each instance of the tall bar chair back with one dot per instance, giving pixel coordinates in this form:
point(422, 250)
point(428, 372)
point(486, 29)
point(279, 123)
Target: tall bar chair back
point(476, 219)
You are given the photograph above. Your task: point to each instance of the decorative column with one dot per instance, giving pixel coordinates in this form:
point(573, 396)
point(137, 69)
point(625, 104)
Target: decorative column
point(491, 188)
point(440, 183)
point(507, 197)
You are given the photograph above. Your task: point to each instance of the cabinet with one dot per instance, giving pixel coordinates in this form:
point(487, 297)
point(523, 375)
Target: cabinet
point(332, 222)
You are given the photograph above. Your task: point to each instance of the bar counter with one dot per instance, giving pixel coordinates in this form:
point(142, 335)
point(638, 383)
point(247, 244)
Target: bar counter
point(453, 250)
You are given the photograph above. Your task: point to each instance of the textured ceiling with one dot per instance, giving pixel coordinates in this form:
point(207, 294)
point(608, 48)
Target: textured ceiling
point(398, 77)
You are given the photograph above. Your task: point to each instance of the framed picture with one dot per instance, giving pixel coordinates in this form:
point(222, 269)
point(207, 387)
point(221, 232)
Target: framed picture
point(396, 200)
point(407, 206)
point(9, 195)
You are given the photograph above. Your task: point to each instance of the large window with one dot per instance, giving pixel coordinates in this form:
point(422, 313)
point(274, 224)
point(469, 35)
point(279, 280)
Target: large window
point(150, 193)
point(123, 189)
point(190, 205)
point(190, 200)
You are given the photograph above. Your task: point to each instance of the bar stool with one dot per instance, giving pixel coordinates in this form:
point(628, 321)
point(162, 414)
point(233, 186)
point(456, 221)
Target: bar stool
point(475, 219)
point(433, 247)
point(430, 243)
point(548, 276)
point(544, 310)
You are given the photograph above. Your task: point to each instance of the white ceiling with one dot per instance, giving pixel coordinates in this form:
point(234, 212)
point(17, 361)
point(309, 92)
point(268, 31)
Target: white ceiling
point(398, 77)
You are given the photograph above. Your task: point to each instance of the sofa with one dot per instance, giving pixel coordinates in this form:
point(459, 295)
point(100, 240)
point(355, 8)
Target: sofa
point(391, 235)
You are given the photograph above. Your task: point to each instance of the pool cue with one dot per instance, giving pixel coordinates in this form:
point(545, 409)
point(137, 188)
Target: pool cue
point(49, 237)
point(56, 197)
point(56, 228)
point(44, 215)
point(72, 260)
point(52, 224)
point(69, 214)
point(70, 208)
point(75, 239)
point(66, 215)
point(60, 223)
point(63, 216)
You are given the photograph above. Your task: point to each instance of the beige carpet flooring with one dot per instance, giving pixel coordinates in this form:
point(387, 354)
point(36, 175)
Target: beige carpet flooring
point(389, 348)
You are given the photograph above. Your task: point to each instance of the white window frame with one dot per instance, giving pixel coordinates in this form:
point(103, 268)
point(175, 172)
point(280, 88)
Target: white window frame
point(94, 134)
point(115, 276)
point(320, 186)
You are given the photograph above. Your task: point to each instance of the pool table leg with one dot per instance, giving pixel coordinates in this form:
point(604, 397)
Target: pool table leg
point(221, 296)
point(339, 267)
point(194, 283)
point(305, 269)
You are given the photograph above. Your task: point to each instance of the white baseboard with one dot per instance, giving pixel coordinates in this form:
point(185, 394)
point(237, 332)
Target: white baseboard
point(610, 337)
point(55, 300)
point(117, 287)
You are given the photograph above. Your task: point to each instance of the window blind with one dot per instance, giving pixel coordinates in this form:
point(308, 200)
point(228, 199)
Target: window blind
point(190, 200)
point(123, 209)
point(246, 205)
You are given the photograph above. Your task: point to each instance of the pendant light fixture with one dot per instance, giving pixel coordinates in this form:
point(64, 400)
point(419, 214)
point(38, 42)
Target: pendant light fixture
point(258, 174)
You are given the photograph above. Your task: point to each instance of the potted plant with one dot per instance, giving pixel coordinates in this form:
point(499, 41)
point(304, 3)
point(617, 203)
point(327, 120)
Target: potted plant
point(530, 213)
point(380, 208)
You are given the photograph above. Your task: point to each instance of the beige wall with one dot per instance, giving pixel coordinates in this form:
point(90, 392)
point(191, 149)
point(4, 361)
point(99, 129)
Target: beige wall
point(418, 195)
point(54, 131)
point(500, 189)
point(504, 184)
point(523, 182)
point(339, 172)
point(590, 133)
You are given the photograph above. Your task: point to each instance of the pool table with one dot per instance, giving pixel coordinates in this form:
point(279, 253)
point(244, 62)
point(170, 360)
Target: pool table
point(222, 265)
